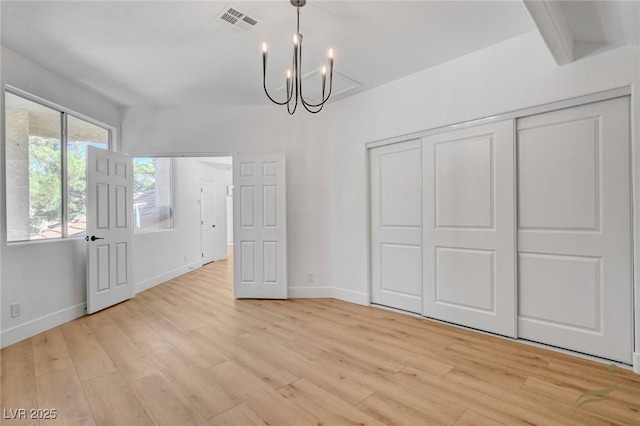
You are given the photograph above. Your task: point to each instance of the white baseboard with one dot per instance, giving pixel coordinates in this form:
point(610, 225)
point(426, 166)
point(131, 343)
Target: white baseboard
point(310, 292)
point(162, 278)
point(636, 362)
point(351, 296)
point(38, 325)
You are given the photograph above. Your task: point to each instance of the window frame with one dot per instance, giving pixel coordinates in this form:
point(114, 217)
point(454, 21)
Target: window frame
point(174, 226)
point(64, 113)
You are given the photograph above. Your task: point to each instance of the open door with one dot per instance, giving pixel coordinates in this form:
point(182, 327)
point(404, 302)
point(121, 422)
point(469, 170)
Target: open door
point(109, 213)
point(207, 221)
point(259, 222)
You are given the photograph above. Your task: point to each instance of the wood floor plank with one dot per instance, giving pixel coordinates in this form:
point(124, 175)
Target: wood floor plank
point(471, 418)
point(261, 398)
point(183, 320)
point(50, 352)
point(317, 372)
point(198, 385)
point(389, 411)
point(62, 391)
point(439, 408)
point(133, 326)
point(18, 383)
point(89, 357)
point(113, 403)
point(607, 408)
point(164, 403)
point(324, 405)
point(502, 405)
point(204, 355)
point(128, 359)
point(238, 415)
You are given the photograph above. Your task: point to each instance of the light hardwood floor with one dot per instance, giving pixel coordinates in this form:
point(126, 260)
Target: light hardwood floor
point(187, 353)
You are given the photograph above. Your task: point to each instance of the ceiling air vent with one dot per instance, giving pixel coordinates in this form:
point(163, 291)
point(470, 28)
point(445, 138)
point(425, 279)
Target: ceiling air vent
point(240, 21)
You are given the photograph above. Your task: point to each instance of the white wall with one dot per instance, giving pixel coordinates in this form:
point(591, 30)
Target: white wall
point(513, 75)
point(256, 129)
point(47, 278)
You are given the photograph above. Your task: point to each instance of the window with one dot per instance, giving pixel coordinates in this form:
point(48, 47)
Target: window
point(46, 172)
point(152, 195)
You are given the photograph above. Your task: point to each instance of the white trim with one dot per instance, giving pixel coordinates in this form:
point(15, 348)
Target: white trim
point(63, 110)
point(351, 296)
point(167, 276)
point(38, 325)
point(553, 27)
point(310, 292)
point(636, 362)
point(552, 106)
point(184, 154)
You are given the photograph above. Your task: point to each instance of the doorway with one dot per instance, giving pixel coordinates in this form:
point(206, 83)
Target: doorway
point(216, 208)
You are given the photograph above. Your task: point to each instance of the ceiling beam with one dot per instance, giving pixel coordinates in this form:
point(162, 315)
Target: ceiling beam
point(552, 25)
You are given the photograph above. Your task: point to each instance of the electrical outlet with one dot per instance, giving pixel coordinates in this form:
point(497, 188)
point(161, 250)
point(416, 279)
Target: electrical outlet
point(15, 310)
point(311, 277)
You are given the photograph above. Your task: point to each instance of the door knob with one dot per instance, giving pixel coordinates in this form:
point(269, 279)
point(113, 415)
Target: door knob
point(213, 226)
point(92, 238)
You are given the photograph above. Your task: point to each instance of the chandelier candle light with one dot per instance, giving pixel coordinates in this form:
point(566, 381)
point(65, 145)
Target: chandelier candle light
point(293, 81)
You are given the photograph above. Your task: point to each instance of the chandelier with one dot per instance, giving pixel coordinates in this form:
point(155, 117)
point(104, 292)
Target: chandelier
point(293, 83)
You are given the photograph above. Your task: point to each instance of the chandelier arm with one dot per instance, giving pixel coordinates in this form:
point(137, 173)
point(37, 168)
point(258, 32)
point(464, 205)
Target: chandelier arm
point(325, 99)
point(311, 111)
point(321, 104)
point(264, 83)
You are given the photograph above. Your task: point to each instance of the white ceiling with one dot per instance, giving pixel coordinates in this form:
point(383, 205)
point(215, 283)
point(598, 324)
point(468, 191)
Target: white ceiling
point(169, 53)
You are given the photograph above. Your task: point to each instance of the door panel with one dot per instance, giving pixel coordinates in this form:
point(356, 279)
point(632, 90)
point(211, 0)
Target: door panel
point(109, 186)
point(396, 223)
point(574, 229)
point(259, 226)
point(469, 227)
point(207, 221)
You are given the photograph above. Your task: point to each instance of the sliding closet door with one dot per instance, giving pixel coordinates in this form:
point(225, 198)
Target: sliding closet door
point(396, 226)
point(574, 229)
point(469, 227)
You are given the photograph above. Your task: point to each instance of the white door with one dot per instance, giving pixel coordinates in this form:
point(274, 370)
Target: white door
point(207, 221)
point(109, 214)
point(220, 216)
point(259, 222)
point(574, 229)
point(469, 227)
point(396, 225)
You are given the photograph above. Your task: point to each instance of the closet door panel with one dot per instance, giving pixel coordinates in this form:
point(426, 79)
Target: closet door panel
point(574, 229)
point(396, 225)
point(469, 227)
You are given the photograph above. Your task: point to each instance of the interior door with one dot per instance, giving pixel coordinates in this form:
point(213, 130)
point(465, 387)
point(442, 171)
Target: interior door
point(259, 221)
point(220, 245)
point(469, 227)
point(207, 221)
point(109, 214)
point(574, 229)
point(396, 225)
